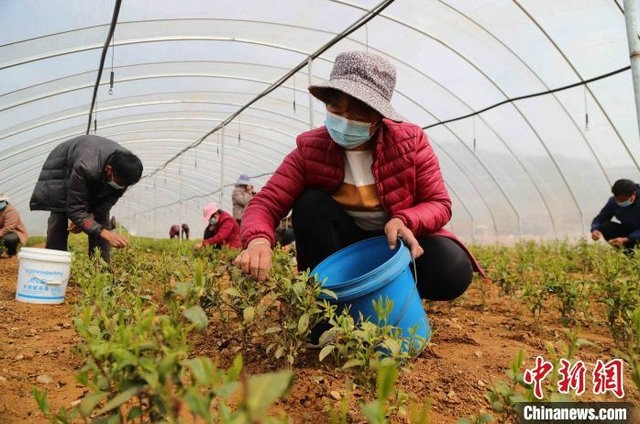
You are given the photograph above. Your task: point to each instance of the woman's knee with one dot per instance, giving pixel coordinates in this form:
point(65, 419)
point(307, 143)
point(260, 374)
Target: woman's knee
point(446, 269)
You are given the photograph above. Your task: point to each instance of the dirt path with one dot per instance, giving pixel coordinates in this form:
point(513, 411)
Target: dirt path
point(36, 344)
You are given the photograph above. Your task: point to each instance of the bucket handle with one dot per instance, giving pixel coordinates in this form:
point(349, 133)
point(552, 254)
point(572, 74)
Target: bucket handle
point(405, 307)
point(415, 270)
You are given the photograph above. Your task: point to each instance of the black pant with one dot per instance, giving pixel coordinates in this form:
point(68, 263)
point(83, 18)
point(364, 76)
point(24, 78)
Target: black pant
point(10, 241)
point(58, 236)
point(611, 230)
point(322, 227)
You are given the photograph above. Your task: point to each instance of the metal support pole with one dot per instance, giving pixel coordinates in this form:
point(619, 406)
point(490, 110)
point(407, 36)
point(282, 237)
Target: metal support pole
point(155, 208)
point(634, 51)
point(309, 66)
point(221, 166)
point(180, 199)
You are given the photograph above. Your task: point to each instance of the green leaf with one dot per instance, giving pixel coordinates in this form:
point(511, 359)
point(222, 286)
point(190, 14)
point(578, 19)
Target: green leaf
point(386, 380)
point(197, 316)
point(41, 400)
point(198, 404)
point(485, 418)
point(234, 371)
point(182, 289)
point(272, 330)
point(134, 413)
point(299, 288)
point(201, 368)
point(352, 363)
point(329, 293)
point(393, 346)
point(264, 390)
point(226, 390)
point(248, 314)
point(325, 351)
point(232, 291)
point(89, 403)
point(109, 419)
point(120, 398)
point(374, 411)
point(327, 336)
point(303, 323)
point(279, 352)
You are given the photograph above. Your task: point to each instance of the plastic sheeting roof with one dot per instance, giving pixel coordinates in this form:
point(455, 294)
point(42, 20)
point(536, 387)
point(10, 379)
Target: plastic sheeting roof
point(536, 167)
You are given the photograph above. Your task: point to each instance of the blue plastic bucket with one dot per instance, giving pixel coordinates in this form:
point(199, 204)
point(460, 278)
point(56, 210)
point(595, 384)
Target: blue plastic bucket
point(368, 271)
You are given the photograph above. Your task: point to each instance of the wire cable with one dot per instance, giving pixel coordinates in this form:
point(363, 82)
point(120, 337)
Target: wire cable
point(105, 48)
point(353, 27)
point(528, 96)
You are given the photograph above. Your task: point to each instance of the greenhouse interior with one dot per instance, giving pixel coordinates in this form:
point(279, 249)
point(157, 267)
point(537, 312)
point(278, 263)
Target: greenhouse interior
point(529, 105)
point(484, 143)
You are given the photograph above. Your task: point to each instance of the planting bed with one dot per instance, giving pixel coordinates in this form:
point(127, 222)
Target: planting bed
point(475, 340)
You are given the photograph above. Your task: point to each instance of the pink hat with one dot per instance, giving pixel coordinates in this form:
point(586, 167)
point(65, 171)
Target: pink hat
point(209, 210)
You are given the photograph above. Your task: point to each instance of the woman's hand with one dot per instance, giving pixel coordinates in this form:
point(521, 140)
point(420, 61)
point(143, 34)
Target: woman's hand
point(395, 228)
point(255, 260)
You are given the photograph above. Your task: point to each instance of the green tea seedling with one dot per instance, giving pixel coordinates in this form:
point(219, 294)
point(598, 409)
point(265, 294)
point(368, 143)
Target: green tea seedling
point(362, 346)
point(476, 419)
point(503, 396)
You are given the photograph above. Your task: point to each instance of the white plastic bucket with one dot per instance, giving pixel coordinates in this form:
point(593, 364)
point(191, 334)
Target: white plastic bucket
point(43, 275)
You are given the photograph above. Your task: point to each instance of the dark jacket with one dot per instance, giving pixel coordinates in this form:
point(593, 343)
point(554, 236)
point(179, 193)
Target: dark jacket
point(72, 180)
point(629, 216)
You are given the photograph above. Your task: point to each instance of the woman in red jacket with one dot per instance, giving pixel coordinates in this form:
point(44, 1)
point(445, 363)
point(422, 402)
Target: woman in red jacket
point(364, 173)
point(222, 229)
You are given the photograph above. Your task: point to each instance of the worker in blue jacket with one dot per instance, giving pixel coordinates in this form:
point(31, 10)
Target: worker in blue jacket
point(624, 205)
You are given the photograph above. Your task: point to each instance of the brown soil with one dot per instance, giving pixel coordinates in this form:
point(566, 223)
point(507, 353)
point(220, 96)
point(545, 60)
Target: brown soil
point(471, 347)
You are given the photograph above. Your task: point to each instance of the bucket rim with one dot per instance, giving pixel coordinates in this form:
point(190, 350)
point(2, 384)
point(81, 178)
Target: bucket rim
point(398, 253)
point(43, 251)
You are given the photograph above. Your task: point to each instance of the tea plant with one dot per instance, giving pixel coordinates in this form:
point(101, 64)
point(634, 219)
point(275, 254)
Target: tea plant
point(295, 310)
point(340, 414)
point(63, 416)
point(363, 346)
point(571, 294)
point(632, 352)
point(390, 401)
point(476, 419)
point(136, 353)
point(504, 397)
point(621, 298)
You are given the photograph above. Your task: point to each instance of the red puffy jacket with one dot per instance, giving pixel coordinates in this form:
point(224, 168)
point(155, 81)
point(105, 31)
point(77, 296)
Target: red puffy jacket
point(405, 168)
point(225, 232)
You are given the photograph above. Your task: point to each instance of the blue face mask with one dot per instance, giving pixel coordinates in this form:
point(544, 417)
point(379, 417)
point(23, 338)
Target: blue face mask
point(626, 203)
point(213, 221)
point(3, 204)
point(345, 132)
